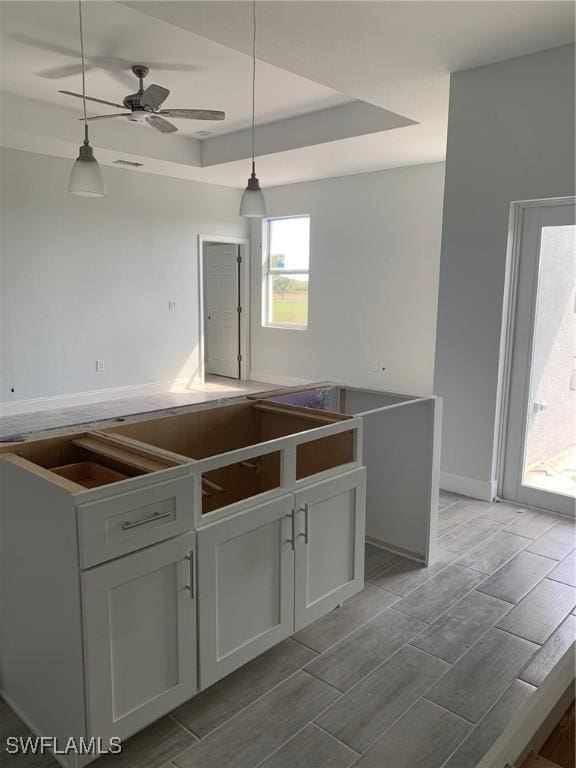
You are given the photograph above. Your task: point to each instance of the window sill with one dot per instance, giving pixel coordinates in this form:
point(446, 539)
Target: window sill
point(279, 326)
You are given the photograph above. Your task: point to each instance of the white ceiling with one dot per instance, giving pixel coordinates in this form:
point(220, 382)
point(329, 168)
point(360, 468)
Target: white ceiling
point(312, 56)
point(40, 44)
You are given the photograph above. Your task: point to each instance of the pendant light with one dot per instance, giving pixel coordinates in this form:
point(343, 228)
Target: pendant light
point(253, 204)
point(86, 177)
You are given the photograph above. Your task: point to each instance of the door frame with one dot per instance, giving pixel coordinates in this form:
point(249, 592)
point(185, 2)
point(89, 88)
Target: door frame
point(515, 229)
point(244, 246)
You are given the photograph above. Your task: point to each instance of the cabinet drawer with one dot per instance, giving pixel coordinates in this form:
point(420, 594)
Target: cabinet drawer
point(129, 521)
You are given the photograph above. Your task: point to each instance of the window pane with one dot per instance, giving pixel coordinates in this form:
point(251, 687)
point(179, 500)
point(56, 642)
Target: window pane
point(289, 246)
point(289, 299)
point(550, 457)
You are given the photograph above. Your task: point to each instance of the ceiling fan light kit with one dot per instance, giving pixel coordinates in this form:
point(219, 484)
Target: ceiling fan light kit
point(253, 203)
point(86, 177)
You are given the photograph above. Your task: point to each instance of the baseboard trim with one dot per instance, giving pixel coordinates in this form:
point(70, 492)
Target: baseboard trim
point(286, 381)
point(485, 490)
point(407, 553)
point(86, 398)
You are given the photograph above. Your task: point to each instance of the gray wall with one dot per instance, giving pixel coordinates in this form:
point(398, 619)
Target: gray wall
point(374, 260)
point(510, 137)
point(86, 279)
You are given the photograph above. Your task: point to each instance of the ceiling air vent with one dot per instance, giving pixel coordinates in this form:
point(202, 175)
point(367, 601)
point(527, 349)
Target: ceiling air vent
point(128, 163)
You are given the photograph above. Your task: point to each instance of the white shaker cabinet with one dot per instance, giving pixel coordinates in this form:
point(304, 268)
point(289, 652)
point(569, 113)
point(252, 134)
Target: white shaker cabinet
point(140, 636)
point(267, 572)
point(168, 557)
point(245, 586)
point(329, 563)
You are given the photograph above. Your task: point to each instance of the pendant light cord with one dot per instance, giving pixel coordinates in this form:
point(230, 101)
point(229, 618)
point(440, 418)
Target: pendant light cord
point(253, 79)
point(83, 71)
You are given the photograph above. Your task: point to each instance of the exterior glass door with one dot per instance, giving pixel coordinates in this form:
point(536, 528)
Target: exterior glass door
point(539, 465)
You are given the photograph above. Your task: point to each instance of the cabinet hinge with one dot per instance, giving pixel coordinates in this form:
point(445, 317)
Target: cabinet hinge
point(239, 358)
point(239, 259)
point(239, 310)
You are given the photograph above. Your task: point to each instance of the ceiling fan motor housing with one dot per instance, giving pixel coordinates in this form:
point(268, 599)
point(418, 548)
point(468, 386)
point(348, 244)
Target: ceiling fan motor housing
point(132, 101)
point(140, 71)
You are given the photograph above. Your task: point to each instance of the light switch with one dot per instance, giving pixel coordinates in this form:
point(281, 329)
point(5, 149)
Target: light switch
point(171, 304)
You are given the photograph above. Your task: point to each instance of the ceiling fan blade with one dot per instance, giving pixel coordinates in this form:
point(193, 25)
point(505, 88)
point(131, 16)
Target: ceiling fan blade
point(194, 114)
point(45, 45)
point(91, 98)
point(171, 67)
point(55, 73)
point(153, 96)
point(160, 124)
point(105, 117)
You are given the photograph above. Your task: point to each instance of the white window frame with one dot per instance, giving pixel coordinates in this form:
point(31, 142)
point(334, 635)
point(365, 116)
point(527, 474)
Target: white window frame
point(268, 272)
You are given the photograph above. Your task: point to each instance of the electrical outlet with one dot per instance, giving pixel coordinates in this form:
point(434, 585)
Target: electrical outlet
point(99, 365)
point(172, 304)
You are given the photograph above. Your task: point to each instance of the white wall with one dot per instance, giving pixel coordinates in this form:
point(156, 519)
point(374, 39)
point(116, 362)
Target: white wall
point(374, 259)
point(510, 137)
point(86, 279)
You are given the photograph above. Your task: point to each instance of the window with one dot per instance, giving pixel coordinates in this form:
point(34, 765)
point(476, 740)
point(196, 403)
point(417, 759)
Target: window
point(286, 270)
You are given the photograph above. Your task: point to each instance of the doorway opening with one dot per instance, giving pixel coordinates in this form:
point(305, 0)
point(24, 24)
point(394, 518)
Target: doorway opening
point(223, 282)
point(538, 463)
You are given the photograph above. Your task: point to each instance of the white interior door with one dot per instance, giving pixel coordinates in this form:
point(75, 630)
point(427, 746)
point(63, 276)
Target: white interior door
point(222, 310)
point(540, 455)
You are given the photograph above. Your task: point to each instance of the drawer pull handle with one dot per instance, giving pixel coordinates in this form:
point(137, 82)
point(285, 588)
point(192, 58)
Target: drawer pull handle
point(292, 541)
point(306, 510)
point(192, 586)
point(156, 516)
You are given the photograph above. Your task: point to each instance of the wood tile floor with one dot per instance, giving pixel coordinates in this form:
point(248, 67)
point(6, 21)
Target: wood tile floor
point(425, 667)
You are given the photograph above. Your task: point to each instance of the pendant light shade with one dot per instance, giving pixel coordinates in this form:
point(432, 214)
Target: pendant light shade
point(253, 204)
point(86, 177)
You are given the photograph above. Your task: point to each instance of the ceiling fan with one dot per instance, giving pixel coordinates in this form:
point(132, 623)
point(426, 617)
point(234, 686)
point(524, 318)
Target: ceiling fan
point(143, 106)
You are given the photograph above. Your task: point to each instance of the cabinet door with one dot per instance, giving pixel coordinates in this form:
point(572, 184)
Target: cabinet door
point(140, 637)
point(245, 586)
point(329, 564)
